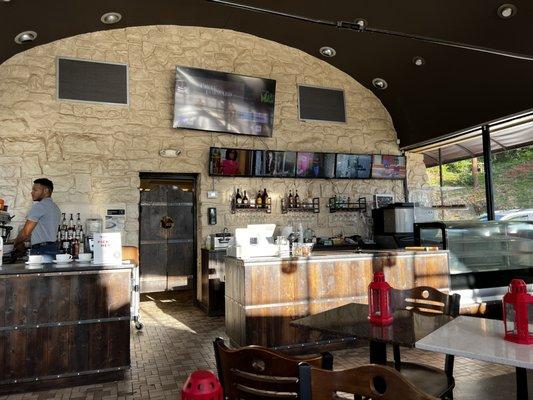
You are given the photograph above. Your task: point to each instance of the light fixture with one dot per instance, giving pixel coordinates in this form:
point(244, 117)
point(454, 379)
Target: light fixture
point(361, 22)
point(25, 37)
point(506, 11)
point(419, 61)
point(380, 83)
point(111, 18)
point(169, 153)
point(327, 51)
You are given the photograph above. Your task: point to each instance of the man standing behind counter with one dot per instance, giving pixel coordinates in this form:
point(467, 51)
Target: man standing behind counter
point(42, 222)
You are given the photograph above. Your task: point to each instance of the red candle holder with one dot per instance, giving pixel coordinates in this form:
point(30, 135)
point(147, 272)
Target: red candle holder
point(517, 309)
point(379, 310)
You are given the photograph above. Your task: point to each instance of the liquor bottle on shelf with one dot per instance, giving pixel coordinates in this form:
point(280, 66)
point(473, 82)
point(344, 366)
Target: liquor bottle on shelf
point(259, 200)
point(264, 197)
point(245, 200)
point(79, 225)
point(296, 200)
point(290, 199)
point(238, 197)
point(71, 221)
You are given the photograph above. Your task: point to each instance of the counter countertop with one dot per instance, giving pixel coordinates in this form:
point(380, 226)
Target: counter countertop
point(22, 268)
point(341, 255)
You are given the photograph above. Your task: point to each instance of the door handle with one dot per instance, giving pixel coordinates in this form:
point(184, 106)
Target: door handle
point(167, 223)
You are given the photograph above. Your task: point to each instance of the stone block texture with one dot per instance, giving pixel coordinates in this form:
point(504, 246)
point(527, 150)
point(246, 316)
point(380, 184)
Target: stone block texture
point(94, 152)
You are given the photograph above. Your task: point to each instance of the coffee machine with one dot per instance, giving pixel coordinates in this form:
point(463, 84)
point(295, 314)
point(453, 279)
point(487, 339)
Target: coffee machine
point(393, 225)
point(5, 229)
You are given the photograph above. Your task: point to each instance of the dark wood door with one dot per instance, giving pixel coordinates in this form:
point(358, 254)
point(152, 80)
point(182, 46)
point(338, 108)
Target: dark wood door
point(167, 230)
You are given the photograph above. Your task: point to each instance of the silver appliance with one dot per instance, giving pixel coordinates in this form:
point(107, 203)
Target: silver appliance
point(5, 229)
point(92, 226)
point(220, 240)
point(394, 225)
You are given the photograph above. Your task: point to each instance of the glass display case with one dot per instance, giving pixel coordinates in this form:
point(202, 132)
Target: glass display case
point(484, 256)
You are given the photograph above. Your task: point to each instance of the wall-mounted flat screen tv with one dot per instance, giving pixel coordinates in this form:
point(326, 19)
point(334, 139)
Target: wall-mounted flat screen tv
point(223, 102)
point(388, 167)
point(230, 162)
point(315, 165)
point(279, 164)
point(353, 166)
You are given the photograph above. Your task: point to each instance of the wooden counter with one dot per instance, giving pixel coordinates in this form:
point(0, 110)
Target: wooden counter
point(264, 295)
point(63, 325)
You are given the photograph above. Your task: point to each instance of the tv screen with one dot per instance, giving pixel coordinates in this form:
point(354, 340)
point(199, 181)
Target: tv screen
point(222, 102)
point(274, 163)
point(315, 165)
point(388, 167)
point(353, 166)
point(230, 162)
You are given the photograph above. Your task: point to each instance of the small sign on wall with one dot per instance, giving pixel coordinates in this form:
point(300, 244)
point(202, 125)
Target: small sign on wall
point(115, 220)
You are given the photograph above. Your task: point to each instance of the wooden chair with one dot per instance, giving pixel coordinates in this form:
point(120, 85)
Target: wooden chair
point(255, 372)
point(130, 253)
point(428, 301)
point(368, 382)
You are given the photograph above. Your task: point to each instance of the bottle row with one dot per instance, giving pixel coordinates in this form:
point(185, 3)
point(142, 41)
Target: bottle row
point(70, 235)
point(261, 200)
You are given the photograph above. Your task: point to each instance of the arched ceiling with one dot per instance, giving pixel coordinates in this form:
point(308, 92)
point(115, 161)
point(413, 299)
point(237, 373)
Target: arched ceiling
point(454, 90)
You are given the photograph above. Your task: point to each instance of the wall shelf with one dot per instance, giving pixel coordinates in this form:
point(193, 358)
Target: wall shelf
point(359, 206)
point(251, 207)
point(303, 207)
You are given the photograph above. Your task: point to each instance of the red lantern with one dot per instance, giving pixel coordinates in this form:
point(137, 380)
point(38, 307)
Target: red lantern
point(202, 385)
point(517, 309)
point(379, 311)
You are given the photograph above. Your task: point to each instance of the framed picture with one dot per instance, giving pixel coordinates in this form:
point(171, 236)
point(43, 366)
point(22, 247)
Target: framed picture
point(315, 165)
point(230, 162)
point(277, 164)
point(382, 200)
point(353, 166)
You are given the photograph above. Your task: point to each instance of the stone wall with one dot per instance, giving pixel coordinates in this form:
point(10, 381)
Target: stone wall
point(94, 153)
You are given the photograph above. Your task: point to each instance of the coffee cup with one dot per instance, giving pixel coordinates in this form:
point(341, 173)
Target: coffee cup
point(35, 259)
point(63, 257)
point(84, 257)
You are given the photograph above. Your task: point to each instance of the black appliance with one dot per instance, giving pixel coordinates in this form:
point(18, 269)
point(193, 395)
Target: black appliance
point(393, 225)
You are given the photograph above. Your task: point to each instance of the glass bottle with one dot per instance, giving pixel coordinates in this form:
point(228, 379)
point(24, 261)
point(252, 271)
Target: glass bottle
point(259, 200)
point(290, 198)
point(296, 199)
point(238, 197)
point(264, 197)
point(245, 200)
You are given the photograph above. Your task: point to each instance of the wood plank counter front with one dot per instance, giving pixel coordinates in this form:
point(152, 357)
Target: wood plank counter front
point(63, 325)
point(263, 295)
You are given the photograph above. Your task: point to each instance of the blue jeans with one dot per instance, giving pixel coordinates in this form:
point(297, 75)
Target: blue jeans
point(48, 251)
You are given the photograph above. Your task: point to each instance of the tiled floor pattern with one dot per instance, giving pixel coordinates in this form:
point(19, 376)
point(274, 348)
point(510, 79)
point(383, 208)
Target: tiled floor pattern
point(177, 338)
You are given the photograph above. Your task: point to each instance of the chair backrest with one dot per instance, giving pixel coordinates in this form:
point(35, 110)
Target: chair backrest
point(254, 372)
point(130, 253)
point(377, 382)
point(426, 300)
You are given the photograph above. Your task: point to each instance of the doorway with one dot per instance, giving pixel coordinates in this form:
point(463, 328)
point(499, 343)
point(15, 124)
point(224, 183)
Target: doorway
point(167, 232)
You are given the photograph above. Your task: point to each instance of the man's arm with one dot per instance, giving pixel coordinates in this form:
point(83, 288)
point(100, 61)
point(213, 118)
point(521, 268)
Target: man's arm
point(25, 234)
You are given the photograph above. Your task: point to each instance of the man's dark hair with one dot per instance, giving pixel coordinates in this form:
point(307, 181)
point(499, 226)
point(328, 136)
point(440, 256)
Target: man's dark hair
point(45, 182)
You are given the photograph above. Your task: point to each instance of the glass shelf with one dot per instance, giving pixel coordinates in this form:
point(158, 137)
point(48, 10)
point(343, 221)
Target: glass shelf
point(267, 208)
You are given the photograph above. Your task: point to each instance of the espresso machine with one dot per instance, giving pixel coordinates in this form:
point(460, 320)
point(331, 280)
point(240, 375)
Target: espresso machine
point(5, 229)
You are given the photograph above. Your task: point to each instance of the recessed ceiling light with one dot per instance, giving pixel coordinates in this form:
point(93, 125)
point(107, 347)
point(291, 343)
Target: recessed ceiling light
point(419, 61)
point(6, 1)
point(327, 51)
point(111, 18)
point(380, 83)
point(25, 37)
point(506, 11)
point(361, 22)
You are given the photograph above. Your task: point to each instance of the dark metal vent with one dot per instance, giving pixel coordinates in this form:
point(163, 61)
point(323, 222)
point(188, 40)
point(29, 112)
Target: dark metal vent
point(321, 104)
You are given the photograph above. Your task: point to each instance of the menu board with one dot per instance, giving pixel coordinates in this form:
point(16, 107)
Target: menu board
point(279, 164)
point(388, 167)
point(230, 162)
point(353, 166)
point(315, 165)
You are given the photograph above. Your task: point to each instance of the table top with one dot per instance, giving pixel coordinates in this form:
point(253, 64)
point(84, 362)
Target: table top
point(45, 268)
point(478, 339)
point(352, 320)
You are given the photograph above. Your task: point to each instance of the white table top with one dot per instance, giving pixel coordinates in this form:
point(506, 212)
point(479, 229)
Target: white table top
point(478, 339)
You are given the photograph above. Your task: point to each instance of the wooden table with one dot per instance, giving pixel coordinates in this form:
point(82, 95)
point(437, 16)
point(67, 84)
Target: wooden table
point(351, 319)
point(482, 339)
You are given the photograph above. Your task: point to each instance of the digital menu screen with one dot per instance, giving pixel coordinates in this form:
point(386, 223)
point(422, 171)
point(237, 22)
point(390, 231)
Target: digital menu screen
point(353, 166)
point(315, 165)
point(278, 164)
point(230, 162)
point(388, 167)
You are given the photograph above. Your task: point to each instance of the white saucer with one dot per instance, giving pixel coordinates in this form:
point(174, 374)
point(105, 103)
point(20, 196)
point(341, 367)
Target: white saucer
point(61, 262)
point(33, 264)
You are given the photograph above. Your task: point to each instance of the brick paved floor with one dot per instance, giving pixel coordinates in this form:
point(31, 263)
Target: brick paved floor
point(176, 340)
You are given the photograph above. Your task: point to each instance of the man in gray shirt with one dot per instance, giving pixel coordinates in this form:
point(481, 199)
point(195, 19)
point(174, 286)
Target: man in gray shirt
point(42, 222)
